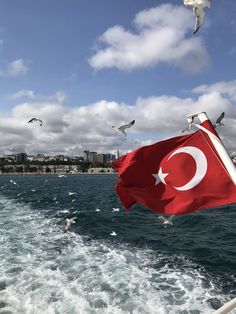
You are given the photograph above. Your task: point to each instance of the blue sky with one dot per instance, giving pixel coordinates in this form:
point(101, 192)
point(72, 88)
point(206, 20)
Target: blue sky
point(76, 54)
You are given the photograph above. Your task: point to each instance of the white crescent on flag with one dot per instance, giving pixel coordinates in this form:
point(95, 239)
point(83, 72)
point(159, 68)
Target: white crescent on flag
point(201, 168)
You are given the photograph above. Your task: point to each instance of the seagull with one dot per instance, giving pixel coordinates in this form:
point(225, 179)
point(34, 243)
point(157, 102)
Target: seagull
point(218, 120)
point(72, 193)
point(68, 223)
point(113, 233)
point(61, 176)
point(35, 120)
point(116, 209)
point(14, 182)
point(122, 128)
point(190, 122)
point(166, 221)
point(198, 6)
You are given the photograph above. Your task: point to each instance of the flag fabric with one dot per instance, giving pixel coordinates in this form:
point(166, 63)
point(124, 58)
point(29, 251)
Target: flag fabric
point(175, 176)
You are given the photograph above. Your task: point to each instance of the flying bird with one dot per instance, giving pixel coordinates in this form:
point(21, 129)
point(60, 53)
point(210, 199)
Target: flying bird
point(116, 209)
point(14, 182)
point(198, 6)
point(68, 223)
point(35, 120)
point(166, 221)
point(113, 233)
point(218, 120)
point(190, 122)
point(122, 128)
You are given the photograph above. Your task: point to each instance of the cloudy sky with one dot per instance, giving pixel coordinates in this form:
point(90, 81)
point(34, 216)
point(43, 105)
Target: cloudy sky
point(83, 65)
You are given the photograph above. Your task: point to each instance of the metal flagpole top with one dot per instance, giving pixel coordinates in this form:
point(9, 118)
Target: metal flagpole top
point(217, 143)
point(226, 308)
point(202, 116)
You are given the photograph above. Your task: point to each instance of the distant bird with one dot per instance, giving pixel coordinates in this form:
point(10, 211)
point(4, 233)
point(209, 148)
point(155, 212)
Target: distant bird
point(198, 6)
point(218, 120)
point(113, 233)
point(166, 221)
point(116, 209)
point(72, 193)
point(122, 128)
point(68, 223)
point(61, 176)
point(190, 122)
point(14, 182)
point(35, 120)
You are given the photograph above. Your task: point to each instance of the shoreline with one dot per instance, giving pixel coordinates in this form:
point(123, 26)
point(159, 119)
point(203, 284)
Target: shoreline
point(57, 174)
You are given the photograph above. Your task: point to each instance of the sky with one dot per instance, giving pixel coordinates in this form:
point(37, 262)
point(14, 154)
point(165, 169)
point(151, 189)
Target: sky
point(83, 66)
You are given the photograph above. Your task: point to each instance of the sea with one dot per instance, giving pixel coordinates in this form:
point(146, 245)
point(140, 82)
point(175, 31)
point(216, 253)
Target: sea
point(110, 261)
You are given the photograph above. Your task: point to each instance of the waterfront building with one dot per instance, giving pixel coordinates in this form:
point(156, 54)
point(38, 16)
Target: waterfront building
point(101, 158)
point(117, 154)
point(86, 155)
point(92, 157)
point(39, 157)
point(9, 157)
point(21, 158)
point(110, 157)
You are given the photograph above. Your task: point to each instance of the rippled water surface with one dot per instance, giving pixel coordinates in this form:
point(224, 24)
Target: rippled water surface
point(189, 267)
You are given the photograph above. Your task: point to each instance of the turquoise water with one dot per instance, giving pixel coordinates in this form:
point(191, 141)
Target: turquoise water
point(145, 268)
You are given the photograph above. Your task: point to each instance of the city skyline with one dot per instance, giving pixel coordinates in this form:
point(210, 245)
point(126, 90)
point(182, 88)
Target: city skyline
point(90, 66)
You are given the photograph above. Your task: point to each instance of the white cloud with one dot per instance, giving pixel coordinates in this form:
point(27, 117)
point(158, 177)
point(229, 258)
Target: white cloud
point(23, 94)
point(15, 68)
point(224, 88)
point(73, 129)
point(59, 97)
point(160, 37)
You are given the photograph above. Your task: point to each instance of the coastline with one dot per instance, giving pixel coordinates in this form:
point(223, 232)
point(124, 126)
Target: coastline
point(57, 174)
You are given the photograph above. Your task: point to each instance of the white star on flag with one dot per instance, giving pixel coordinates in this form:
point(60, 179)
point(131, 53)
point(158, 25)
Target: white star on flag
point(160, 177)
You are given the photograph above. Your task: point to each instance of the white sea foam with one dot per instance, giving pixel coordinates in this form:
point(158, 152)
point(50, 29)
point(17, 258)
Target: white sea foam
point(46, 271)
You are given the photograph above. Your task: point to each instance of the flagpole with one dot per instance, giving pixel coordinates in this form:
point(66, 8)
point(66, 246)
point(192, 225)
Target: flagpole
point(219, 146)
point(226, 308)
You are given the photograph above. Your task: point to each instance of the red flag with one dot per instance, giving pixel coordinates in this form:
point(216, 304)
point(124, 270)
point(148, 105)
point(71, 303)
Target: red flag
point(175, 176)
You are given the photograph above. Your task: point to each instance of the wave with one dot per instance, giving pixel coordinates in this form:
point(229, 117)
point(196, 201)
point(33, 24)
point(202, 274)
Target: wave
point(47, 271)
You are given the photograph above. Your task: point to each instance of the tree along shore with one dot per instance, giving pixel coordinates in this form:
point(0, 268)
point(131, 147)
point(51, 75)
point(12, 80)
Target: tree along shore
point(55, 169)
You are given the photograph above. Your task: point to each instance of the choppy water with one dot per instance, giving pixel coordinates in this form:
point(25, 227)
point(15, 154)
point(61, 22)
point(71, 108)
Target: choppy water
point(186, 268)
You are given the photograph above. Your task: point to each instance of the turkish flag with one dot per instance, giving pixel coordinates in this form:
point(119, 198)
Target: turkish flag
point(175, 176)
